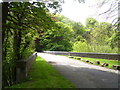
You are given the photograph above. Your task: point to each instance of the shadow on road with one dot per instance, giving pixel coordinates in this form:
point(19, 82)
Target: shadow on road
point(88, 77)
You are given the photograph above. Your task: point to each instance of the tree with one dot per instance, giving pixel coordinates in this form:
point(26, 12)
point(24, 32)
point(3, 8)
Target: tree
point(101, 34)
point(21, 23)
point(63, 19)
point(111, 13)
point(78, 29)
point(114, 40)
point(91, 23)
point(57, 39)
point(99, 37)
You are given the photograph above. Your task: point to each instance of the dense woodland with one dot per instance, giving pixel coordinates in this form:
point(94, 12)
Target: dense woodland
point(29, 27)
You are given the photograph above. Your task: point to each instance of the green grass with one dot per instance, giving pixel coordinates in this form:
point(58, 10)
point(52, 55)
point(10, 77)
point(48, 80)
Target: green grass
point(110, 62)
point(43, 75)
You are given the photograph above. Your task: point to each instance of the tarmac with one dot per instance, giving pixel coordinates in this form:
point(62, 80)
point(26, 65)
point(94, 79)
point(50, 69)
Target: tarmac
point(82, 74)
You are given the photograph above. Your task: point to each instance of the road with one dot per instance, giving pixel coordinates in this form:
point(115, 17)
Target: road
point(82, 74)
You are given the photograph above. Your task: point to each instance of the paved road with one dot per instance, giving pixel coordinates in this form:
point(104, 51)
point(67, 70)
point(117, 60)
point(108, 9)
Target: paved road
point(82, 74)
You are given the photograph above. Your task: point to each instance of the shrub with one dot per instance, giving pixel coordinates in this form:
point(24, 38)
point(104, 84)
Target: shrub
point(85, 47)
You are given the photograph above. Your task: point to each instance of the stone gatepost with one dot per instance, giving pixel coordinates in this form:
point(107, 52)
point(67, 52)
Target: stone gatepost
point(21, 71)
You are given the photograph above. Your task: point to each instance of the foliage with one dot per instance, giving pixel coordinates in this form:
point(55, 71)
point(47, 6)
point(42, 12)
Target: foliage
point(95, 37)
point(81, 47)
point(63, 19)
point(91, 23)
point(78, 28)
point(101, 33)
point(99, 37)
point(43, 75)
point(22, 22)
point(114, 40)
point(58, 38)
point(85, 47)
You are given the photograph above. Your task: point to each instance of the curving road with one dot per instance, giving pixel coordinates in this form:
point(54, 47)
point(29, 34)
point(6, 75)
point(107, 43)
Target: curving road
point(82, 74)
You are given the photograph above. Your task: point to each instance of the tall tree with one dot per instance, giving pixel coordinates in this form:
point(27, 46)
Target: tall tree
point(57, 39)
point(101, 33)
point(21, 24)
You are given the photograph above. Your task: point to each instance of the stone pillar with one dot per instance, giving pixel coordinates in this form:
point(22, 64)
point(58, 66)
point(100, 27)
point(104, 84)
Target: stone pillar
point(68, 53)
point(21, 72)
point(22, 68)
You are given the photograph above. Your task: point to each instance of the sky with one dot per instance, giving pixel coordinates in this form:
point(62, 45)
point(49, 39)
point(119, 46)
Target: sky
point(80, 11)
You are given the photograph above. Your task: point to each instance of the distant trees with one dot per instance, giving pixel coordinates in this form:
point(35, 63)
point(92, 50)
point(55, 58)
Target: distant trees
point(62, 36)
point(78, 28)
point(91, 23)
point(94, 37)
point(57, 39)
point(98, 37)
point(101, 33)
point(111, 13)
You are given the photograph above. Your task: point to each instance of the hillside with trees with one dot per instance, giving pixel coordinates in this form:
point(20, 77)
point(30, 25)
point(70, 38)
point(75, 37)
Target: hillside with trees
point(99, 37)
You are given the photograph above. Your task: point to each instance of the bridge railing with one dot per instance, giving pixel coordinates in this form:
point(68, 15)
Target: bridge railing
point(57, 52)
point(23, 66)
point(111, 56)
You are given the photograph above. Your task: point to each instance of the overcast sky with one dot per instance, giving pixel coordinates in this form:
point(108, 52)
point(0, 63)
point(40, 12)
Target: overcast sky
point(80, 11)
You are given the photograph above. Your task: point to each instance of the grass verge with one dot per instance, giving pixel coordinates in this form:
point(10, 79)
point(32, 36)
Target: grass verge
point(43, 75)
point(110, 62)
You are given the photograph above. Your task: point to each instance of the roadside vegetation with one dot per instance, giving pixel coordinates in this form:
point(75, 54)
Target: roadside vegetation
point(93, 60)
point(30, 26)
point(43, 75)
point(95, 36)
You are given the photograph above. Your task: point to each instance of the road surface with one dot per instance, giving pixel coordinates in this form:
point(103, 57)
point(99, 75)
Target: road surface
point(82, 74)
